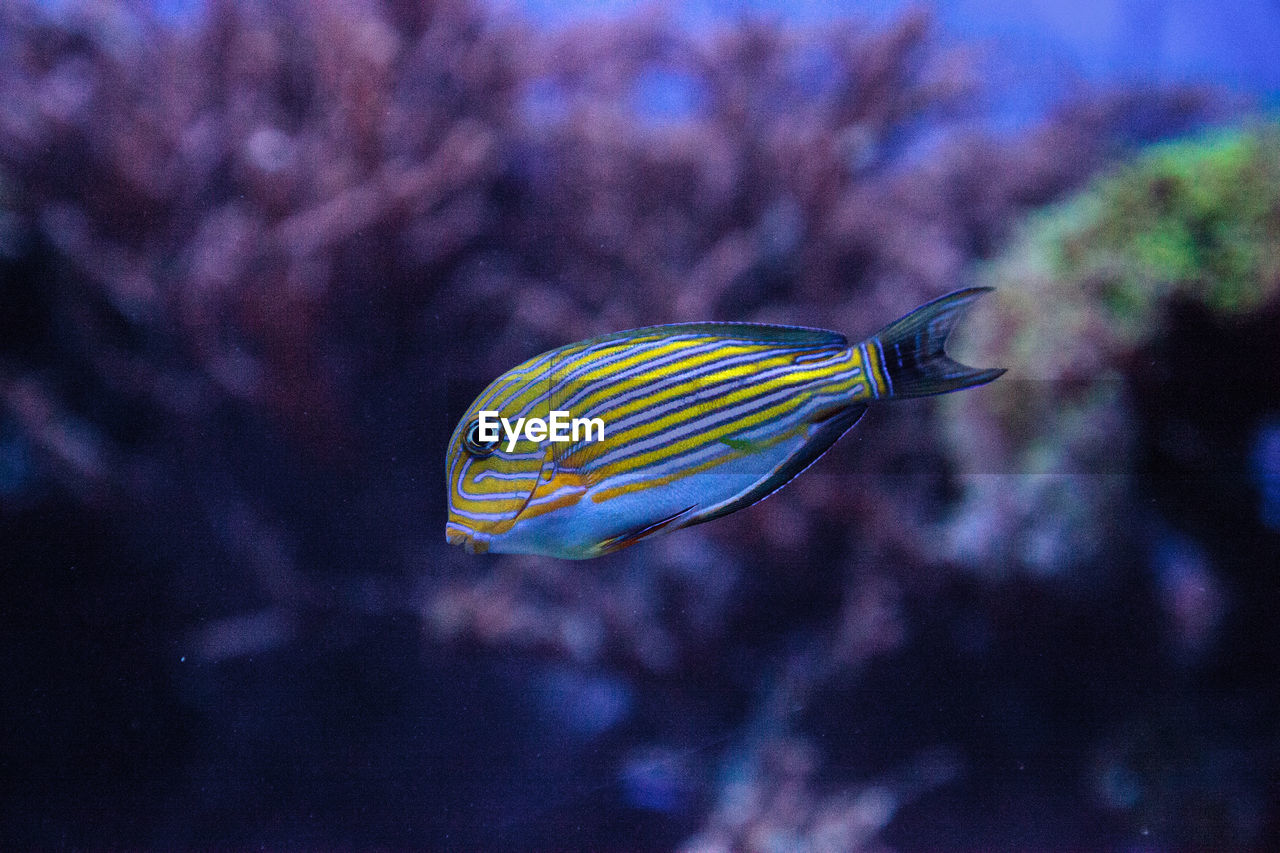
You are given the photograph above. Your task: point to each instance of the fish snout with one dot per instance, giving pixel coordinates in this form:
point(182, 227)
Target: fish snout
point(471, 542)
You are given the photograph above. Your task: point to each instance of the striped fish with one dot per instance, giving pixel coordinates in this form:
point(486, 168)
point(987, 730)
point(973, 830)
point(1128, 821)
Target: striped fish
point(700, 420)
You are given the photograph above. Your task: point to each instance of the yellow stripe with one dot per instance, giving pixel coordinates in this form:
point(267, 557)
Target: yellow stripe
point(682, 389)
point(681, 473)
point(875, 368)
point(700, 439)
point(729, 399)
point(612, 389)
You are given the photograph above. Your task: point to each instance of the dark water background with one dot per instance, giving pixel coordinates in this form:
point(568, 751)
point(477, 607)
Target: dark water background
point(256, 258)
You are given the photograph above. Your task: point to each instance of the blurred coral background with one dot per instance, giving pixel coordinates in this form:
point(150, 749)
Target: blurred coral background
point(257, 257)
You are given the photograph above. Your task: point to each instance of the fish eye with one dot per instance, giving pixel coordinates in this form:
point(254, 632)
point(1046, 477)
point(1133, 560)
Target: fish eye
point(473, 445)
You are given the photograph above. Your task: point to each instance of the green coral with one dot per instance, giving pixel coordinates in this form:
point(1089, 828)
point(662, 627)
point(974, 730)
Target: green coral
point(1201, 217)
point(1198, 217)
point(1081, 288)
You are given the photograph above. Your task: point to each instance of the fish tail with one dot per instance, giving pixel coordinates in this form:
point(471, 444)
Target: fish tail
point(913, 359)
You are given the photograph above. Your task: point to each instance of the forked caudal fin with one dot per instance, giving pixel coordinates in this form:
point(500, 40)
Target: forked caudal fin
point(915, 358)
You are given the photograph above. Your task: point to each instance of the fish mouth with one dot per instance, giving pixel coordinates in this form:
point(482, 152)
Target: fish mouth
point(471, 541)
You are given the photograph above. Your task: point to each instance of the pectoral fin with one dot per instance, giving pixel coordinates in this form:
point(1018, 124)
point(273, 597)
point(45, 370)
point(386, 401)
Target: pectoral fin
point(830, 426)
point(617, 543)
point(743, 445)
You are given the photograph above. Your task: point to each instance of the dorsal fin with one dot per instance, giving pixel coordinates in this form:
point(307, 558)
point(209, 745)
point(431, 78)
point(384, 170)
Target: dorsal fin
point(763, 333)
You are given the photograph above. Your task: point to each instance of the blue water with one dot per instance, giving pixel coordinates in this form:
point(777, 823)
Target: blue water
point(1230, 43)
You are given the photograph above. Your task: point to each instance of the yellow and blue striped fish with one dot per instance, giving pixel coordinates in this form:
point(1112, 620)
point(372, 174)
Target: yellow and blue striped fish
point(700, 420)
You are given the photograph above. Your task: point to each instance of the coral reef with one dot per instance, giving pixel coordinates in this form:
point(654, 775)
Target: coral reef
point(252, 267)
point(1144, 313)
point(1081, 293)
